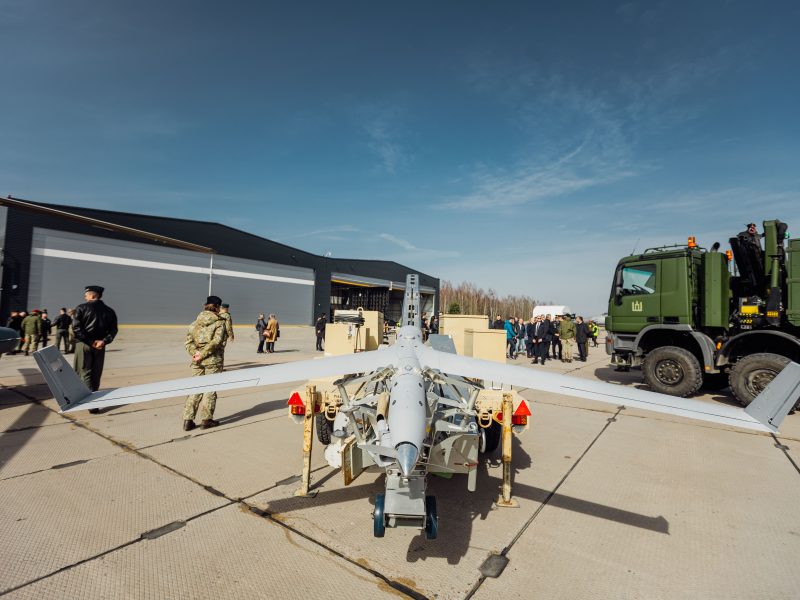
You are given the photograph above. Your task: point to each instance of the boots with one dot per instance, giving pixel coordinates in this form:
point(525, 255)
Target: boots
point(208, 423)
point(188, 425)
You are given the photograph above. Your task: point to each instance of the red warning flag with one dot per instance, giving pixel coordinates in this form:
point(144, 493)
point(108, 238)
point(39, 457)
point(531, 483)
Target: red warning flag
point(522, 410)
point(295, 400)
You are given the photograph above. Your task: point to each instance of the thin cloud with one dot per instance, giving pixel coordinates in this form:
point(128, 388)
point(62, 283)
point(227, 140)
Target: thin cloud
point(384, 134)
point(322, 232)
point(414, 252)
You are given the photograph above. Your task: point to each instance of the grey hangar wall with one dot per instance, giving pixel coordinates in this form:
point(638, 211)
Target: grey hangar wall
point(47, 260)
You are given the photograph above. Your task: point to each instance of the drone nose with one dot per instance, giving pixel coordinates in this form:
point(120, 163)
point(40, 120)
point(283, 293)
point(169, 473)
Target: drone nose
point(407, 457)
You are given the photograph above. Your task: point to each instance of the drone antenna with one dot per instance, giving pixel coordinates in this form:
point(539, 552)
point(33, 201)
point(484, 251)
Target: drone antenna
point(636, 245)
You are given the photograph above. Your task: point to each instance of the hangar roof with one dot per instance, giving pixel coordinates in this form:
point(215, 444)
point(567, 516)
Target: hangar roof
point(223, 239)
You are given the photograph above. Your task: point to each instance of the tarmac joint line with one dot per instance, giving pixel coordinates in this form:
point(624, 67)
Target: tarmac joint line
point(785, 449)
point(493, 561)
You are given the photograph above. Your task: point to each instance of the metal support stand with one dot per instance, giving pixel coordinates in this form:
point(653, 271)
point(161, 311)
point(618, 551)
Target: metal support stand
point(505, 500)
point(308, 439)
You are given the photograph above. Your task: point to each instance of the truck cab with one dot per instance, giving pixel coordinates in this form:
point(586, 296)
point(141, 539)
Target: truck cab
point(691, 317)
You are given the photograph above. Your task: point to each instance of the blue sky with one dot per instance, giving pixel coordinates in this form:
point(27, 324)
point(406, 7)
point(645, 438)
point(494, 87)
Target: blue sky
point(522, 146)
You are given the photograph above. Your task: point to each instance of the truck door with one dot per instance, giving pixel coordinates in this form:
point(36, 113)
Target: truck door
point(636, 302)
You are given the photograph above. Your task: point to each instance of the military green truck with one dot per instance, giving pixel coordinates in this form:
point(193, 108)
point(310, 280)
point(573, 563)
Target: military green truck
point(693, 318)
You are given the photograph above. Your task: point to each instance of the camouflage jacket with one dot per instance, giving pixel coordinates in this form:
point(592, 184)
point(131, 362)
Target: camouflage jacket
point(567, 330)
point(32, 325)
point(207, 335)
point(228, 325)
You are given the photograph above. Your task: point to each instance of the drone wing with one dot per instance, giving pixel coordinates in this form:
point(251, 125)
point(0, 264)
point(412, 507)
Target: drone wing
point(765, 413)
point(71, 393)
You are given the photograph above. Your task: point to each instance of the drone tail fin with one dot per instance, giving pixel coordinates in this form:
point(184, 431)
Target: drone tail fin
point(771, 406)
point(64, 383)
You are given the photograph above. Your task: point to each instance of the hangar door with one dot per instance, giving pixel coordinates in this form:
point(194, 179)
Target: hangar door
point(149, 284)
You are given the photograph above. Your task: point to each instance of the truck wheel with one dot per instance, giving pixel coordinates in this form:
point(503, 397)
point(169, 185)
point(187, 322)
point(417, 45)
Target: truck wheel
point(751, 374)
point(672, 370)
point(323, 427)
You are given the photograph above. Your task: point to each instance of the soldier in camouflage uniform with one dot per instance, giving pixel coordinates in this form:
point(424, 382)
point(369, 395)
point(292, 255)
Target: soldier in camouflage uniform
point(224, 312)
point(31, 331)
point(205, 343)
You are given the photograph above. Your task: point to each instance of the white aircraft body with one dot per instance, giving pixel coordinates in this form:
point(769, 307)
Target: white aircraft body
point(414, 411)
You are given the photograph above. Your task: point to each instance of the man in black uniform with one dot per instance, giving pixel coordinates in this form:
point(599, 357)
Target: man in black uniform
point(319, 329)
point(95, 326)
point(62, 324)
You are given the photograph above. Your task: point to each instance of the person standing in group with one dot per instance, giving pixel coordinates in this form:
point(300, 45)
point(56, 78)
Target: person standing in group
point(434, 324)
point(224, 312)
point(556, 341)
point(271, 333)
point(95, 327)
point(581, 338)
point(31, 331)
point(530, 341)
point(62, 324)
point(261, 325)
point(594, 331)
point(511, 338)
point(545, 336)
point(71, 315)
point(319, 331)
point(205, 343)
point(567, 334)
point(498, 323)
point(15, 322)
point(47, 328)
point(22, 314)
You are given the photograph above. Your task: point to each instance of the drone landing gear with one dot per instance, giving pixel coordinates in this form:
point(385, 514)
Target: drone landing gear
point(404, 504)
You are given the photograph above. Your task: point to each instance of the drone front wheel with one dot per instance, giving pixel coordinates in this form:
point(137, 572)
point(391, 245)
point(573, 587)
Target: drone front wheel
point(431, 518)
point(378, 516)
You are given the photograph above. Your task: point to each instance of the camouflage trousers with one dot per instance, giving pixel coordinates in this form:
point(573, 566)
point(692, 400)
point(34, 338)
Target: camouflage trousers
point(193, 401)
point(31, 340)
point(567, 351)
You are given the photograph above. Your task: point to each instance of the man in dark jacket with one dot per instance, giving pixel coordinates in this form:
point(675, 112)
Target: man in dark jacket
point(47, 328)
point(498, 323)
point(319, 330)
point(544, 336)
point(15, 322)
point(62, 324)
point(261, 325)
point(581, 338)
point(530, 344)
point(95, 326)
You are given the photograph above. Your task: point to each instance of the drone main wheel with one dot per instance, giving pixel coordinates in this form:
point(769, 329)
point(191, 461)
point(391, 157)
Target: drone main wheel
point(431, 518)
point(378, 516)
point(324, 428)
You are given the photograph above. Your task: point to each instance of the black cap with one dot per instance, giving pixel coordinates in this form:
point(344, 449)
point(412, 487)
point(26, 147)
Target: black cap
point(214, 300)
point(752, 225)
point(226, 306)
point(95, 288)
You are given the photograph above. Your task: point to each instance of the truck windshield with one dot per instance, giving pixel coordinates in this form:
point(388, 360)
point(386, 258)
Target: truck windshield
point(637, 280)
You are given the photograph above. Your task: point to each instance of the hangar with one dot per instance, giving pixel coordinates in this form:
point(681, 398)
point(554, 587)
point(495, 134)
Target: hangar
point(157, 270)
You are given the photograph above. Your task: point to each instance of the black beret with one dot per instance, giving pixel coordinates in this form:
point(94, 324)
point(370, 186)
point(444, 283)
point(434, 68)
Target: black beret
point(214, 300)
point(95, 288)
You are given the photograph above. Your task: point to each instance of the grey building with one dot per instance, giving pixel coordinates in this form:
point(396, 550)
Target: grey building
point(158, 270)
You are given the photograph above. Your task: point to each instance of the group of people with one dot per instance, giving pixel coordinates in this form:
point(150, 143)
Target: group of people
point(269, 331)
point(35, 328)
point(545, 338)
point(84, 331)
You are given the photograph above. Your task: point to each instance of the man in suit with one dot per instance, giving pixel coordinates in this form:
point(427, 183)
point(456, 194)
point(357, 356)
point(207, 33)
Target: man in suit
point(545, 334)
point(529, 345)
point(581, 338)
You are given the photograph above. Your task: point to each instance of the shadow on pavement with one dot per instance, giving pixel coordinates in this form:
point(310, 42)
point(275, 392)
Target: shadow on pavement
point(459, 508)
point(253, 411)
